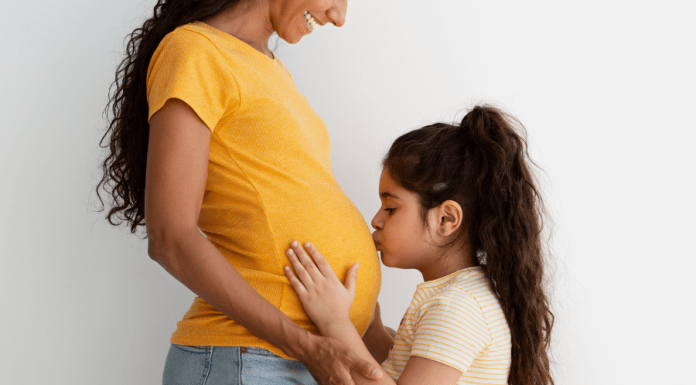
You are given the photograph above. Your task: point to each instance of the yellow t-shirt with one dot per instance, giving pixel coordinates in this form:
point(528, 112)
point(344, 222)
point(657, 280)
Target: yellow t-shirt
point(269, 178)
point(456, 320)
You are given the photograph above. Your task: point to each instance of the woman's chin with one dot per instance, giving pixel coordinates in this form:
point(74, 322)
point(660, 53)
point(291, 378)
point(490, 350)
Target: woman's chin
point(292, 37)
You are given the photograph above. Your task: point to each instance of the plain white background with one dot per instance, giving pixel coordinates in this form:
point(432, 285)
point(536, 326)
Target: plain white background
point(606, 90)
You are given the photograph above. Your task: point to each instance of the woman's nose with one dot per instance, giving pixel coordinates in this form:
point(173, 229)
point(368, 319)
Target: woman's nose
point(337, 13)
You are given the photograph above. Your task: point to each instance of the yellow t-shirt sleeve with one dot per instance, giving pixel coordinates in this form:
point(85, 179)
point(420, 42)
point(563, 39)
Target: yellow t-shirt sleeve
point(451, 330)
point(189, 67)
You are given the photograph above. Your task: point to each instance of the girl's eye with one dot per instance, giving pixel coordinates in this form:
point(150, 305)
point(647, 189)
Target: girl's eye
point(390, 211)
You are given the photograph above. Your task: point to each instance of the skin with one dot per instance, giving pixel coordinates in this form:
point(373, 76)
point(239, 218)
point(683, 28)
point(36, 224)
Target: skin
point(176, 175)
point(255, 21)
point(405, 242)
point(378, 338)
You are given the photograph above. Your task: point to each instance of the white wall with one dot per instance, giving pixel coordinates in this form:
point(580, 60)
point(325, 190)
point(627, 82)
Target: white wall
point(606, 90)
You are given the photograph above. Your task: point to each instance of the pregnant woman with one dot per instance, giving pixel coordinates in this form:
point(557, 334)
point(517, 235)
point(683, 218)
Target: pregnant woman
point(208, 131)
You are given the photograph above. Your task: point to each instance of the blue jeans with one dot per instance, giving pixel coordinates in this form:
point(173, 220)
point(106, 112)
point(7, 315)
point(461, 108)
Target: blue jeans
point(231, 365)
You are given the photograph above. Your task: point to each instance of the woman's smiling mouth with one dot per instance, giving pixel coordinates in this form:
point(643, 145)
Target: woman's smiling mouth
point(310, 20)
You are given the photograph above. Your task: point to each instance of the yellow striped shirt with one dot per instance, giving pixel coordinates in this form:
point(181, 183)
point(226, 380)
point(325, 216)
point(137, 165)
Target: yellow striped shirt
point(455, 320)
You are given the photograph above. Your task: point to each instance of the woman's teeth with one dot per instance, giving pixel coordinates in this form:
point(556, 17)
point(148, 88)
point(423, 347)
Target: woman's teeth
point(310, 20)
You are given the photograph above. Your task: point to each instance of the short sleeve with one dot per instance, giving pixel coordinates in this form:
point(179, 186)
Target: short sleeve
point(450, 329)
point(189, 67)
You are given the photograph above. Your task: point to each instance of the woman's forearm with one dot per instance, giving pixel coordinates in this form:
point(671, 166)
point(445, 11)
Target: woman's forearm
point(378, 339)
point(194, 261)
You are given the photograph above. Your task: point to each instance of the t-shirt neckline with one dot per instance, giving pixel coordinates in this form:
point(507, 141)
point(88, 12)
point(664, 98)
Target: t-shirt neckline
point(448, 277)
point(237, 41)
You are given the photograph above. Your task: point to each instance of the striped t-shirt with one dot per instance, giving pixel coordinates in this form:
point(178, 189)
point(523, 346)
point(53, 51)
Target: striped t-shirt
point(455, 320)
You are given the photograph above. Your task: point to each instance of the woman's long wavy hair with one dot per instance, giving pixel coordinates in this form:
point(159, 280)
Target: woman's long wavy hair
point(482, 165)
point(126, 138)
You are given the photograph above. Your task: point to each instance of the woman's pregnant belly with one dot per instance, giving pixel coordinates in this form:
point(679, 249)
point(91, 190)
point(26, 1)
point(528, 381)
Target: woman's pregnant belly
point(337, 229)
point(254, 227)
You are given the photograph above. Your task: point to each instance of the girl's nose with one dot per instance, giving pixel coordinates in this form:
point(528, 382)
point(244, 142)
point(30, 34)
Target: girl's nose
point(376, 221)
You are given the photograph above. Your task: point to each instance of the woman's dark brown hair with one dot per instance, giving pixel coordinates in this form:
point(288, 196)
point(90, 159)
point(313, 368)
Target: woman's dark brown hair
point(482, 165)
point(126, 138)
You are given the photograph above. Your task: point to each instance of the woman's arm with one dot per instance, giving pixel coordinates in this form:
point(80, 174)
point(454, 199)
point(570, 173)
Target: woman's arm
point(378, 338)
point(418, 370)
point(327, 302)
point(176, 175)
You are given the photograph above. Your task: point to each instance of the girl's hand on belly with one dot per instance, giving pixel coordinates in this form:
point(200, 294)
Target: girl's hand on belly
point(325, 299)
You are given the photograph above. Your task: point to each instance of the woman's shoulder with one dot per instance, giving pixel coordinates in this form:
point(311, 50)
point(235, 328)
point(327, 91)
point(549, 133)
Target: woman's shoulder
point(188, 38)
point(198, 39)
point(190, 48)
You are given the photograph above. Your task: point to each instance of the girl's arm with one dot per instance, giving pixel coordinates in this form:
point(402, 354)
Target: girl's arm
point(328, 302)
point(176, 175)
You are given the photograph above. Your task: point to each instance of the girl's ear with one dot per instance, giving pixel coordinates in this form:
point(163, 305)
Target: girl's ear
point(449, 217)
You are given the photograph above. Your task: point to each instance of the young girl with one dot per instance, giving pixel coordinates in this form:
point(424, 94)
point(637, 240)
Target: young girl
point(459, 204)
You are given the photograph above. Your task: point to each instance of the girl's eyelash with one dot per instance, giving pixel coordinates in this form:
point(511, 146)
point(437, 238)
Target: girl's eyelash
point(389, 210)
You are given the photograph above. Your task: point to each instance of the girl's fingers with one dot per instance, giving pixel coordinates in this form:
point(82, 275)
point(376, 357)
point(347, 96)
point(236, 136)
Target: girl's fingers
point(351, 280)
point(306, 261)
point(300, 270)
point(295, 282)
point(319, 260)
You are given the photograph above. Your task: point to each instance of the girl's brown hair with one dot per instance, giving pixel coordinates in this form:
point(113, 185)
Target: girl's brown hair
point(482, 165)
point(126, 138)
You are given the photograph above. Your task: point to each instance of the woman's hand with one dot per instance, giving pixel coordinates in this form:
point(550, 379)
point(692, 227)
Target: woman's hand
point(325, 299)
point(330, 362)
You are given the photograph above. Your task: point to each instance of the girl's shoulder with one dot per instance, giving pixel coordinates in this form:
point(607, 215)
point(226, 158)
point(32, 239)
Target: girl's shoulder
point(472, 280)
point(468, 290)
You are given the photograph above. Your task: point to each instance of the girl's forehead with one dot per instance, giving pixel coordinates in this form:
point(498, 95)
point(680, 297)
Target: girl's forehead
point(387, 185)
point(390, 189)
point(385, 178)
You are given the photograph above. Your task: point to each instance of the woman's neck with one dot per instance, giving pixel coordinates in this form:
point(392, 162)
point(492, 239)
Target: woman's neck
point(248, 21)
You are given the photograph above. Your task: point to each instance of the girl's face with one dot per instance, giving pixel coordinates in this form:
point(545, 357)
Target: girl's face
point(292, 19)
point(400, 236)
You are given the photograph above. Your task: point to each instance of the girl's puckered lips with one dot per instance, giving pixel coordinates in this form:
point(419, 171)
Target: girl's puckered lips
point(374, 239)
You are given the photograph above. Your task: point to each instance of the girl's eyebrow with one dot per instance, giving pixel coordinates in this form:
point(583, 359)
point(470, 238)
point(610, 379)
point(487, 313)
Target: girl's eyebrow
point(387, 194)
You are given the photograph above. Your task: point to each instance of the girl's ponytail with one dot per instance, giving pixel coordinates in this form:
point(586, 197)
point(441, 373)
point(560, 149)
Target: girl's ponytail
point(483, 165)
point(510, 213)
point(126, 138)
